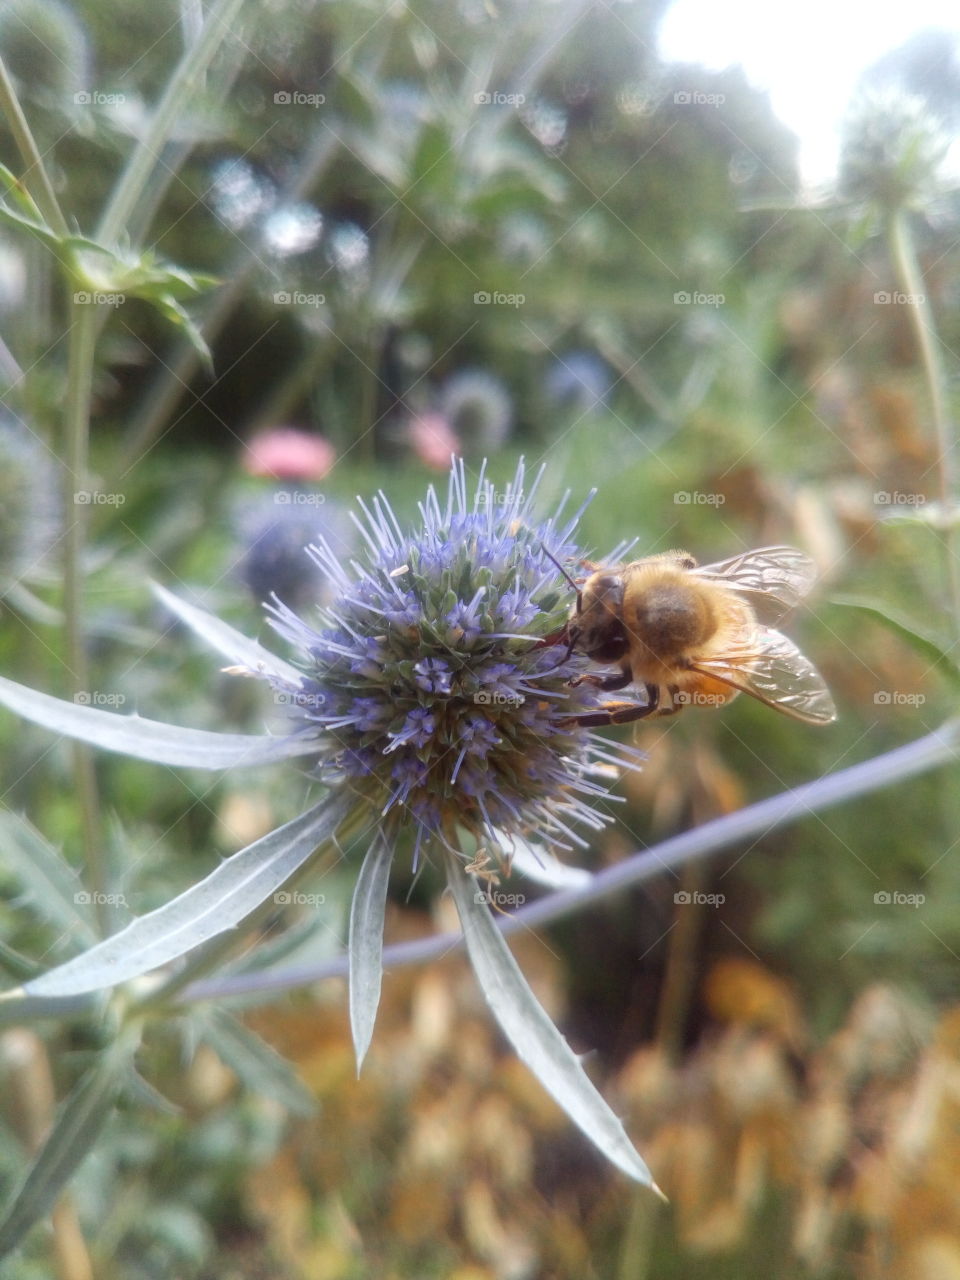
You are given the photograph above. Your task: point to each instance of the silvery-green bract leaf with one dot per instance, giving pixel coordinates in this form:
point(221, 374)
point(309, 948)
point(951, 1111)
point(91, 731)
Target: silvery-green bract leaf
point(47, 879)
point(149, 739)
point(218, 903)
point(226, 640)
point(536, 1040)
point(366, 944)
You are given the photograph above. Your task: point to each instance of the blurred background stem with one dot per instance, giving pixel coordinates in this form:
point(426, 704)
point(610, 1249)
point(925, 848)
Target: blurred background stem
point(82, 339)
point(35, 177)
point(912, 283)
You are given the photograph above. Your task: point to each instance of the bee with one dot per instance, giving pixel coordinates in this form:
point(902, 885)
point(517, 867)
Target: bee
point(695, 635)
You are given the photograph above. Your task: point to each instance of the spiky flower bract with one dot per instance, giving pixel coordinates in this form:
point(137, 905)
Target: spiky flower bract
point(423, 684)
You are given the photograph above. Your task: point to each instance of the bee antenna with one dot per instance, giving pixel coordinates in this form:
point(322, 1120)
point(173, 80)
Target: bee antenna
point(550, 556)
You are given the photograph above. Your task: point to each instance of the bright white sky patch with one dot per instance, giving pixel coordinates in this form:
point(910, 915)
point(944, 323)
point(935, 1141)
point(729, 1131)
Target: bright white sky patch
point(807, 56)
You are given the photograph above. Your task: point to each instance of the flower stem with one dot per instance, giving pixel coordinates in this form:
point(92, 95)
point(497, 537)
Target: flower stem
point(81, 351)
point(928, 345)
point(35, 178)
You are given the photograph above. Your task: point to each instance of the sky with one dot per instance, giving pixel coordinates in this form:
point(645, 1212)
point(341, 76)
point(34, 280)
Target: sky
point(807, 56)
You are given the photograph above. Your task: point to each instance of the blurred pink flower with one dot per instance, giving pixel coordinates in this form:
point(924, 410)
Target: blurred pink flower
point(432, 439)
point(286, 453)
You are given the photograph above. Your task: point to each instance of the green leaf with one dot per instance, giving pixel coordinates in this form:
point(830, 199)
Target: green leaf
point(15, 963)
point(435, 160)
point(101, 269)
point(528, 1028)
point(39, 230)
point(366, 944)
point(46, 877)
point(98, 269)
point(180, 318)
point(75, 1130)
point(18, 193)
point(150, 739)
point(220, 902)
point(27, 217)
point(258, 1066)
point(358, 98)
point(920, 641)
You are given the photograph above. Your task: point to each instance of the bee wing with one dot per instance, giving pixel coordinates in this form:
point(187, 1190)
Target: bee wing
point(776, 578)
point(772, 669)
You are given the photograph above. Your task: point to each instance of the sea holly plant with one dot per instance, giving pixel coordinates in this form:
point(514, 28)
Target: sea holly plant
point(430, 717)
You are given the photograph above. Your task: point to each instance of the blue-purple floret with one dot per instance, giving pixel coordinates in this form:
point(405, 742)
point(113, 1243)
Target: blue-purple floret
point(427, 690)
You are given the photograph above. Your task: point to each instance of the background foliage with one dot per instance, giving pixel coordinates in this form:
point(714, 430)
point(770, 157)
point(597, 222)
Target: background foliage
point(514, 230)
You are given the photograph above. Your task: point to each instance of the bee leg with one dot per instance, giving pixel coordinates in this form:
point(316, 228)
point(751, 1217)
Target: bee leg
point(613, 713)
point(609, 684)
point(622, 712)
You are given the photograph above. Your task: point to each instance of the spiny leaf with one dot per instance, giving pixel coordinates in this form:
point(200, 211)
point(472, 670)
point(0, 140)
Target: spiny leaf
point(149, 739)
point(528, 1028)
point(232, 644)
point(48, 880)
point(220, 902)
point(366, 944)
point(259, 1067)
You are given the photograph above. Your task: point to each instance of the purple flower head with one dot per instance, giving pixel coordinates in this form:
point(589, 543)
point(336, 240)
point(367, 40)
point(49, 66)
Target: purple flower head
point(432, 697)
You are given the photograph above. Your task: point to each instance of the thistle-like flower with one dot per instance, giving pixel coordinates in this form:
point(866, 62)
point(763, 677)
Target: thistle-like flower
point(893, 151)
point(425, 705)
point(422, 685)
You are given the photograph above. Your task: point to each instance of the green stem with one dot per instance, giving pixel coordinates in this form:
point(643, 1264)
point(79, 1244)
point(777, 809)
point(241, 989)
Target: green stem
point(81, 348)
point(928, 344)
point(81, 352)
point(35, 178)
point(179, 94)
